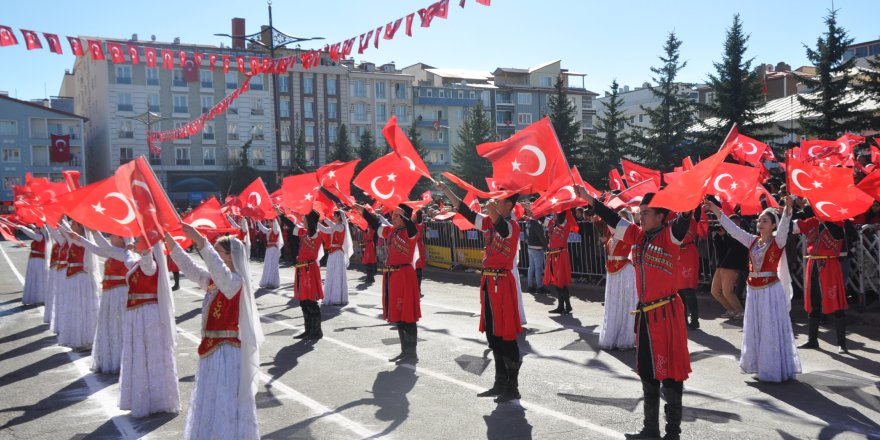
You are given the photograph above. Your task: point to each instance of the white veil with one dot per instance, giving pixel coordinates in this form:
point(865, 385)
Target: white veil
point(166, 303)
point(250, 333)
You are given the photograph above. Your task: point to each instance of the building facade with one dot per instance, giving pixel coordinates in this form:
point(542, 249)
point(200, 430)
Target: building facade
point(375, 94)
point(25, 139)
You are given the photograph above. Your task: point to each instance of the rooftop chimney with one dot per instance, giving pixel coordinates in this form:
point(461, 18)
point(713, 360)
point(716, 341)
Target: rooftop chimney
point(237, 29)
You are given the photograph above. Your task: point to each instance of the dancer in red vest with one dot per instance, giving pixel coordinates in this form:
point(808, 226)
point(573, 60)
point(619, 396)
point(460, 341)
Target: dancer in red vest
point(499, 308)
point(621, 295)
point(36, 277)
point(557, 269)
point(339, 249)
point(57, 277)
point(223, 404)
point(271, 279)
point(77, 307)
point(307, 287)
point(824, 286)
point(400, 286)
point(661, 335)
point(368, 257)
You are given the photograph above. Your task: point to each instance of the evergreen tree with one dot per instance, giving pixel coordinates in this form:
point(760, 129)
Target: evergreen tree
point(415, 138)
point(568, 130)
point(342, 149)
point(662, 143)
point(367, 151)
point(298, 161)
point(835, 114)
point(738, 91)
point(466, 163)
point(870, 85)
point(610, 144)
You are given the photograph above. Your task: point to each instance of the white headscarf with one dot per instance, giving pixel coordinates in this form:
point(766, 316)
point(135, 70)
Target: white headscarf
point(276, 228)
point(347, 247)
point(163, 292)
point(250, 333)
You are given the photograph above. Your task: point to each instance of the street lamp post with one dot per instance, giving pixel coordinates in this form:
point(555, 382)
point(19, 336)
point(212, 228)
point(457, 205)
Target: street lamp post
point(277, 40)
point(148, 118)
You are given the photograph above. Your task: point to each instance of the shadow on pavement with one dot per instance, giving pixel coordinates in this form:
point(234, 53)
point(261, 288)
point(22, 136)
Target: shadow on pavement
point(508, 421)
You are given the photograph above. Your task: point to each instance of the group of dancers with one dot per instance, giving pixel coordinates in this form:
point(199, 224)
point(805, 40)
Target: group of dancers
point(125, 314)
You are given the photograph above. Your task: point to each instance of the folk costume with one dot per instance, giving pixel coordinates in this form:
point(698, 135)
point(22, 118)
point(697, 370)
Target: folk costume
point(307, 287)
point(338, 239)
point(36, 278)
point(620, 297)
point(274, 242)
point(557, 268)
point(688, 271)
point(368, 256)
point(76, 307)
point(57, 277)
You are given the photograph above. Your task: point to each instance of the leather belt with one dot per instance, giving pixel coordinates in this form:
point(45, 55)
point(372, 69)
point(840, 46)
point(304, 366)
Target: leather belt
point(389, 269)
point(554, 251)
point(217, 334)
point(132, 296)
point(303, 264)
point(763, 274)
point(616, 258)
point(495, 273)
point(822, 257)
point(653, 305)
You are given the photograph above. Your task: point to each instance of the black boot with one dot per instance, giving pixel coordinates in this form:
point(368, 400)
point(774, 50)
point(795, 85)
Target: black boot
point(402, 337)
point(812, 333)
point(500, 378)
point(673, 410)
point(567, 295)
point(840, 330)
point(176, 285)
point(651, 424)
point(511, 387)
point(307, 324)
point(411, 337)
point(560, 302)
point(692, 308)
point(316, 323)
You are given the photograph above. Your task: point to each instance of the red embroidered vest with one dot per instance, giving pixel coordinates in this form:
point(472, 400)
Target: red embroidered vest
point(654, 260)
point(559, 236)
point(618, 257)
point(308, 247)
point(61, 263)
point(761, 276)
point(220, 324)
point(75, 257)
point(142, 288)
point(38, 249)
point(336, 241)
point(400, 248)
point(272, 241)
point(500, 252)
point(114, 274)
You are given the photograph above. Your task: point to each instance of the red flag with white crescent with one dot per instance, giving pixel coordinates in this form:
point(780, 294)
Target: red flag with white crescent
point(401, 145)
point(96, 50)
point(116, 52)
point(532, 156)
point(54, 43)
point(298, 193)
point(76, 46)
point(102, 207)
point(803, 178)
point(7, 37)
point(155, 214)
point(635, 173)
point(255, 201)
point(388, 180)
point(31, 40)
point(60, 150)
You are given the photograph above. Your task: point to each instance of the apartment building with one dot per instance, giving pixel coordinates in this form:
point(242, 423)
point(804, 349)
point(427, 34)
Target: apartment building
point(375, 94)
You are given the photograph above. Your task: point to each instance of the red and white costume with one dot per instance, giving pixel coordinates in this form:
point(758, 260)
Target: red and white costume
point(823, 254)
point(620, 297)
point(499, 278)
point(557, 269)
point(400, 286)
point(307, 286)
point(76, 307)
point(339, 248)
point(36, 279)
point(274, 242)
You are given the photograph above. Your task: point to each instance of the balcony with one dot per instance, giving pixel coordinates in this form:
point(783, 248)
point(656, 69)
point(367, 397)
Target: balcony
point(126, 135)
point(456, 102)
point(182, 161)
point(124, 107)
point(207, 84)
point(123, 80)
point(181, 109)
point(179, 83)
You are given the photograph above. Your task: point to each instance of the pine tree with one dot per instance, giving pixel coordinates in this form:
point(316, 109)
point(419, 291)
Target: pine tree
point(610, 144)
point(466, 163)
point(415, 138)
point(662, 143)
point(835, 114)
point(568, 130)
point(298, 161)
point(870, 86)
point(738, 91)
point(342, 149)
point(367, 151)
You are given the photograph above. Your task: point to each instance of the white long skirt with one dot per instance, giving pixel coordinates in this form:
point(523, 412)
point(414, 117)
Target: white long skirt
point(271, 278)
point(621, 298)
point(148, 376)
point(57, 281)
point(36, 281)
point(336, 280)
point(76, 311)
point(214, 412)
point(107, 348)
point(522, 310)
point(768, 347)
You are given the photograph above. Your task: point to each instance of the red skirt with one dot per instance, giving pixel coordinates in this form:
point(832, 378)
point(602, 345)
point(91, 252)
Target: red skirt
point(557, 270)
point(307, 286)
point(668, 341)
point(400, 295)
point(369, 255)
point(172, 266)
point(831, 283)
point(688, 268)
point(505, 306)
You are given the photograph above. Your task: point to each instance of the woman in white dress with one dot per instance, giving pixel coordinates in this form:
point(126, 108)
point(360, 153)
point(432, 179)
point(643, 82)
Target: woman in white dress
point(274, 242)
point(336, 278)
point(768, 347)
point(76, 307)
point(223, 404)
point(148, 376)
point(57, 277)
point(621, 295)
point(36, 279)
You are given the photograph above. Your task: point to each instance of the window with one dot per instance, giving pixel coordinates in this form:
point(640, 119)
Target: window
point(524, 118)
point(126, 154)
point(285, 132)
point(257, 82)
point(285, 158)
point(257, 132)
point(381, 113)
point(524, 98)
point(442, 157)
point(233, 155)
point(380, 89)
point(441, 93)
point(207, 103)
point(11, 155)
point(177, 79)
point(10, 181)
point(546, 81)
point(258, 157)
point(153, 103)
point(332, 110)
point(206, 78)
point(641, 117)
point(8, 128)
point(587, 102)
point(309, 85)
point(429, 93)
point(331, 86)
point(400, 112)
point(310, 133)
point(360, 112)
point(331, 134)
point(231, 111)
point(209, 155)
point(125, 130)
point(40, 155)
point(461, 94)
point(181, 105)
point(309, 110)
point(208, 131)
point(400, 90)
point(231, 80)
point(284, 84)
point(358, 88)
point(231, 131)
point(504, 98)
point(472, 95)
point(505, 117)
point(284, 108)
point(124, 103)
point(152, 76)
point(181, 155)
point(257, 107)
point(588, 121)
point(358, 132)
point(123, 74)
point(155, 159)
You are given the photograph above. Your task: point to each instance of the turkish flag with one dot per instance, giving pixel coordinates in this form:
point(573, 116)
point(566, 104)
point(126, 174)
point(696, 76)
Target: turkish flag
point(7, 37)
point(212, 59)
point(133, 53)
point(633, 195)
point(390, 29)
point(54, 43)
point(409, 23)
point(190, 69)
point(425, 200)
point(31, 40)
point(167, 59)
point(240, 61)
point(615, 183)
point(76, 46)
point(688, 191)
point(485, 2)
point(116, 52)
point(840, 203)
point(459, 220)
point(71, 178)
point(752, 203)
point(60, 150)
point(208, 219)
point(803, 178)
point(44, 192)
point(336, 178)
point(226, 60)
point(155, 213)
point(687, 164)
point(748, 150)
point(827, 153)
point(102, 207)
point(255, 201)
point(401, 145)
point(635, 173)
point(871, 185)
point(255, 65)
point(496, 193)
point(561, 196)
point(388, 180)
point(734, 183)
point(150, 56)
point(96, 50)
point(532, 156)
point(298, 193)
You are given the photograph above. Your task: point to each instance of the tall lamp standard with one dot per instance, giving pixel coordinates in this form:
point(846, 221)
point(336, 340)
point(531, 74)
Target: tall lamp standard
point(149, 118)
point(277, 40)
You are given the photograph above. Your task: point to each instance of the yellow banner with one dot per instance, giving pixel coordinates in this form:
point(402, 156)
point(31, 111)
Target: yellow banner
point(469, 257)
point(439, 256)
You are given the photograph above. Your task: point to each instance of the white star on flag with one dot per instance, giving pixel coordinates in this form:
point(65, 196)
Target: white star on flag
point(308, 196)
point(331, 174)
point(391, 177)
point(733, 185)
point(98, 208)
point(817, 184)
point(553, 200)
point(515, 165)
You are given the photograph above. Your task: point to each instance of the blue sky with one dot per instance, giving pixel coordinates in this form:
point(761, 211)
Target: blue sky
point(604, 39)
